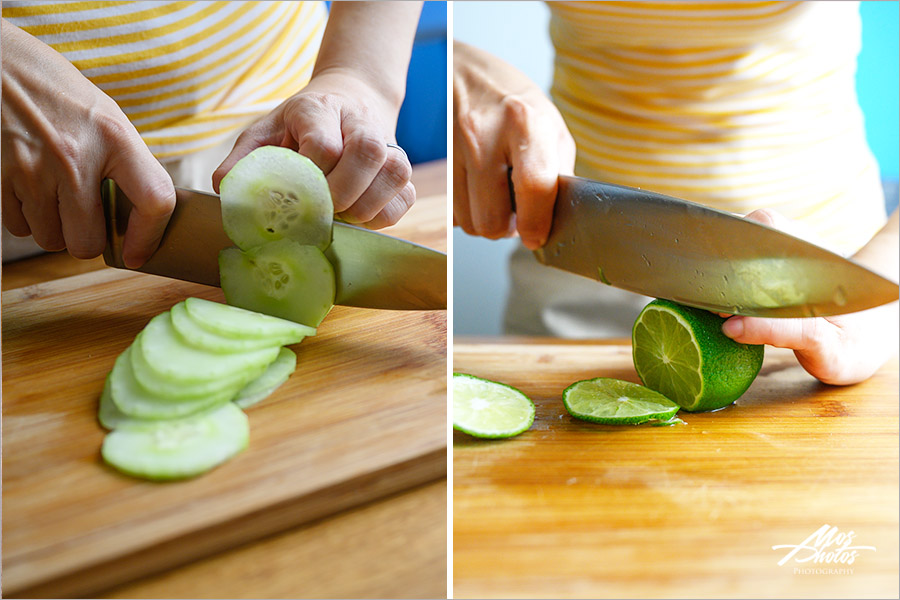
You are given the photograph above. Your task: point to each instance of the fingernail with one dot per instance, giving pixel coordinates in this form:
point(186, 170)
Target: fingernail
point(133, 262)
point(733, 327)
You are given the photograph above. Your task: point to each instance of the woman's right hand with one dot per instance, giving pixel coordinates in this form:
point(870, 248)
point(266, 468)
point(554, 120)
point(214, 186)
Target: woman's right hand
point(61, 137)
point(501, 119)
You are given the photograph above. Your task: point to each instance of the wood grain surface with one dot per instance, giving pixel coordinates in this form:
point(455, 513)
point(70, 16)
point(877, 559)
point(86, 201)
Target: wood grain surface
point(574, 509)
point(392, 548)
point(363, 417)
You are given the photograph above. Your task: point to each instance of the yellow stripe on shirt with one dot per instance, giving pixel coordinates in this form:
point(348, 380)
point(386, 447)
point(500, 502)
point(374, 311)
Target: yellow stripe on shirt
point(188, 74)
point(739, 105)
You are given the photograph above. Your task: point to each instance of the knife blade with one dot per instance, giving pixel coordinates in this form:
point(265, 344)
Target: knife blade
point(668, 248)
point(372, 270)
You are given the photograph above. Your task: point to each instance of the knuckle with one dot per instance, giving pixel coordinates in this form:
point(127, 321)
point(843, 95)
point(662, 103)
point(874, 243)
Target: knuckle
point(158, 198)
point(320, 147)
point(397, 170)
point(367, 147)
point(113, 128)
point(517, 112)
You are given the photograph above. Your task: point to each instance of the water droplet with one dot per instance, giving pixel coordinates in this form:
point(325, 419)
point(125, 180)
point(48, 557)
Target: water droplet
point(840, 296)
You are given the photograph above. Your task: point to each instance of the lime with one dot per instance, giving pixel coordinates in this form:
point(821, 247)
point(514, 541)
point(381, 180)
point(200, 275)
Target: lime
point(682, 353)
point(616, 402)
point(488, 409)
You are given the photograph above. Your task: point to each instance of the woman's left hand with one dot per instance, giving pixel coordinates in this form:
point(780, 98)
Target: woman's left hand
point(839, 350)
point(343, 126)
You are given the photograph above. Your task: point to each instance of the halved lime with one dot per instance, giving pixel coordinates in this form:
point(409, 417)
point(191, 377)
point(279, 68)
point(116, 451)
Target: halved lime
point(682, 353)
point(488, 409)
point(616, 402)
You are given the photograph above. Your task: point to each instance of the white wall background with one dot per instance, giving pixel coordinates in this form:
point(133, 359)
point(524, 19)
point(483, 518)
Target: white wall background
point(518, 33)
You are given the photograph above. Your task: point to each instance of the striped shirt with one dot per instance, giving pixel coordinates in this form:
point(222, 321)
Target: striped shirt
point(187, 74)
point(736, 105)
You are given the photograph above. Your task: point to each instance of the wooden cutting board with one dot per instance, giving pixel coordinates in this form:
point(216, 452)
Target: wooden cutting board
point(573, 509)
point(363, 416)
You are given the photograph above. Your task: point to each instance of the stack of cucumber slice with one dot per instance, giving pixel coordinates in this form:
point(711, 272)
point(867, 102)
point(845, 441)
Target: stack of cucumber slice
point(173, 398)
point(277, 209)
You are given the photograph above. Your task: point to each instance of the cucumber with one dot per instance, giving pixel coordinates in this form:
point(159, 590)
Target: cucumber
point(283, 279)
point(134, 401)
point(177, 448)
point(194, 334)
point(171, 360)
point(109, 414)
point(275, 193)
point(234, 322)
point(271, 379)
point(150, 381)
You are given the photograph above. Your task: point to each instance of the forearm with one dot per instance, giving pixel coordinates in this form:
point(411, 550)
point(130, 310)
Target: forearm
point(882, 253)
point(374, 41)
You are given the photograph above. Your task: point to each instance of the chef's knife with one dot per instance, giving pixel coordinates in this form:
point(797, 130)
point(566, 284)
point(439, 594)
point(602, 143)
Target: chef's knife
point(686, 252)
point(372, 270)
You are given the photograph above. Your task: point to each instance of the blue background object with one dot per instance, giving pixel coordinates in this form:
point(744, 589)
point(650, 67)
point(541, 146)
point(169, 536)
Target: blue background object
point(422, 125)
point(877, 82)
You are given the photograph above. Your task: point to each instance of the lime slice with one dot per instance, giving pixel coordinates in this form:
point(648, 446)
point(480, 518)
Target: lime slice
point(488, 409)
point(616, 402)
point(682, 353)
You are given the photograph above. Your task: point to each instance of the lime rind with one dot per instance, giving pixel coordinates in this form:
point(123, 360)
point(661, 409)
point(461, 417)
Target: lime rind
point(682, 353)
point(616, 402)
point(488, 409)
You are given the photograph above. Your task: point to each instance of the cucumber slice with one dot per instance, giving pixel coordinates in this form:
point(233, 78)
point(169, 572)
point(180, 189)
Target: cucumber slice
point(194, 334)
point(275, 193)
point(170, 359)
point(283, 279)
point(151, 382)
point(234, 322)
point(271, 379)
point(134, 401)
point(109, 414)
point(177, 448)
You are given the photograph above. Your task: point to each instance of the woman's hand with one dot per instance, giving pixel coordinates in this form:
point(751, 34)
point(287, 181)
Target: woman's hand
point(344, 126)
point(501, 119)
point(344, 119)
point(61, 137)
point(839, 350)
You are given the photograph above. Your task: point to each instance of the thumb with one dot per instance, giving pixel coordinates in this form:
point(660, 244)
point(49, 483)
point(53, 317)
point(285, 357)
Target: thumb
point(797, 334)
point(152, 194)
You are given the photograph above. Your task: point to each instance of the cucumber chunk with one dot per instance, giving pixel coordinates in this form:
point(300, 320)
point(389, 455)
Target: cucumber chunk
point(271, 379)
point(275, 193)
point(234, 322)
point(194, 334)
point(283, 279)
point(172, 360)
point(177, 448)
point(134, 401)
